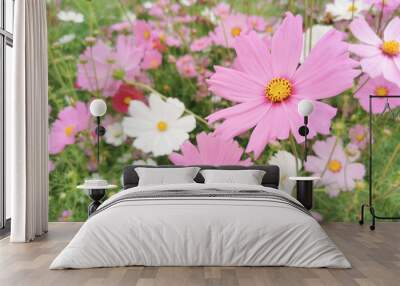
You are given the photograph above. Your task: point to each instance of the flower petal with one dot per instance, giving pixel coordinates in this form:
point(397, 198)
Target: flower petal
point(236, 110)
point(364, 50)
point(138, 109)
point(185, 123)
point(362, 31)
point(373, 65)
point(274, 125)
point(235, 85)
point(146, 141)
point(190, 155)
point(241, 122)
point(287, 45)
point(253, 56)
point(134, 127)
point(327, 71)
point(390, 71)
point(392, 31)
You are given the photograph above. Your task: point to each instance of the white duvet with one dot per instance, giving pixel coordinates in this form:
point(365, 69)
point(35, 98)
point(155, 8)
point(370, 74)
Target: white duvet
point(200, 231)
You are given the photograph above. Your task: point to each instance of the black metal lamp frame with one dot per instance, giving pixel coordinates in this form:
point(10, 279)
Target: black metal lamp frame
point(100, 131)
point(370, 205)
point(303, 131)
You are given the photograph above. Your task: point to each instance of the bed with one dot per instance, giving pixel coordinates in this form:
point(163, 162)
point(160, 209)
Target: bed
point(201, 224)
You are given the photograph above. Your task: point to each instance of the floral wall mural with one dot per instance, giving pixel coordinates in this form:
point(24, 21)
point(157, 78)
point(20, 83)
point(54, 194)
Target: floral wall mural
point(211, 82)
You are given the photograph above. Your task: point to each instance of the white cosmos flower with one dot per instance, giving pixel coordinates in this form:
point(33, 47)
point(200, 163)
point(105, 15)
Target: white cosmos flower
point(129, 16)
point(148, 4)
point(287, 168)
point(209, 14)
point(346, 9)
point(353, 152)
point(66, 39)
point(317, 32)
point(70, 16)
point(115, 134)
point(159, 127)
point(188, 2)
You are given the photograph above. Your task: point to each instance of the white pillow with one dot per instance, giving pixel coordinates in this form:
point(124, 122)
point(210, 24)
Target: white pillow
point(165, 176)
point(248, 177)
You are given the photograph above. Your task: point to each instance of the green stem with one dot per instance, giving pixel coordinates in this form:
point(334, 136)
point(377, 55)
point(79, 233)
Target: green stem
point(125, 12)
point(390, 162)
point(380, 19)
point(352, 10)
point(152, 90)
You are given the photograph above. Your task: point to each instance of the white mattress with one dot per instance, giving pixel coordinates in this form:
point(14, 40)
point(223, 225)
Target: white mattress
point(191, 231)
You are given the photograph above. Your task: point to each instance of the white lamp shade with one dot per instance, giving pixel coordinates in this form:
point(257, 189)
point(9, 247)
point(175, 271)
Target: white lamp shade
point(305, 107)
point(98, 107)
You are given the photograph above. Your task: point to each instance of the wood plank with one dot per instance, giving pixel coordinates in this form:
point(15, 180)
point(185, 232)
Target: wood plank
point(375, 257)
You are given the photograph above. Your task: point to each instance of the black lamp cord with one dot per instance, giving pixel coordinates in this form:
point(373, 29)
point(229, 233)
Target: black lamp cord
point(98, 141)
point(305, 138)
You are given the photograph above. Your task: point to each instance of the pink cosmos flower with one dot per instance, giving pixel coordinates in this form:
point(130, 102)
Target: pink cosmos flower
point(210, 150)
point(379, 57)
point(102, 69)
point(201, 44)
point(317, 216)
point(143, 33)
point(173, 41)
point(352, 152)
point(65, 215)
point(387, 5)
point(377, 86)
point(359, 136)
point(257, 23)
point(50, 166)
point(152, 60)
point(186, 66)
point(156, 11)
point(122, 27)
point(125, 60)
point(337, 172)
point(229, 30)
point(94, 68)
point(222, 10)
point(270, 85)
point(71, 120)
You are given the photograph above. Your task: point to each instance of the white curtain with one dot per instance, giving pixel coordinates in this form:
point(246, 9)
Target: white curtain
point(27, 124)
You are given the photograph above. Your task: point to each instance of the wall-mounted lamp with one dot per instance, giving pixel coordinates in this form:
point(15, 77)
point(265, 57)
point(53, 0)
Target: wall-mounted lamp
point(98, 108)
point(305, 108)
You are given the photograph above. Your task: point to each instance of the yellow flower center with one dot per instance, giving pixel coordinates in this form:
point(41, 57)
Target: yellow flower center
point(127, 100)
point(162, 126)
point(146, 35)
point(69, 130)
point(236, 31)
point(391, 48)
point(360, 137)
point(381, 91)
point(352, 8)
point(153, 63)
point(118, 74)
point(334, 166)
point(162, 38)
point(269, 29)
point(117, 133)
point(278, 89)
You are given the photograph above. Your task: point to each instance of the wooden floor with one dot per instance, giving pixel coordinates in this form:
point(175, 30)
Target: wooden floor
point(375, 257)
